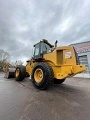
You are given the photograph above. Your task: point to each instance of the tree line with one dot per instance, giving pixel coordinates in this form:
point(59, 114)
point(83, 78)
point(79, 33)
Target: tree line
point(5, 60)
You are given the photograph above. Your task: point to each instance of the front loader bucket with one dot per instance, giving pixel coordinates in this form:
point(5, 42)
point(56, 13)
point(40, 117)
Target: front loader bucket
point(10, 73)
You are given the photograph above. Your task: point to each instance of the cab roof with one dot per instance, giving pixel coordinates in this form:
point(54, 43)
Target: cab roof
point(45, 41)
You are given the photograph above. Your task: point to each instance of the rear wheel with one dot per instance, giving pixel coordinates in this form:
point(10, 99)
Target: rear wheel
point(20, 73)
point(42, 75)
point(57, 81)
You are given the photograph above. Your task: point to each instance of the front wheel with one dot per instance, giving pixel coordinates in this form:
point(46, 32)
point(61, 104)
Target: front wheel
point(42, 75)
point(20, 73)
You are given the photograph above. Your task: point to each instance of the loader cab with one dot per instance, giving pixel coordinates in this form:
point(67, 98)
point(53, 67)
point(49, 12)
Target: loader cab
point(41, 48)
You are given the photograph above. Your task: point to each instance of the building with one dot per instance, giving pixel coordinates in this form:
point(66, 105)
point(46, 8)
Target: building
point(83, 50)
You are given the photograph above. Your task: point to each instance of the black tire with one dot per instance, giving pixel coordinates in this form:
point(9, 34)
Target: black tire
point(22, 73)
point(47, 76)
point(57, 81)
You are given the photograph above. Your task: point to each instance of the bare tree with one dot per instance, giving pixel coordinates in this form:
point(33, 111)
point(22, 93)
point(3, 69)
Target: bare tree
point(4, 56)
point(18, 62)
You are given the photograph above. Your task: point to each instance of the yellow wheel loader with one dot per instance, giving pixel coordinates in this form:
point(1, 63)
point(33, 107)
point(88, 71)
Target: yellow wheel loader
point(50, 64)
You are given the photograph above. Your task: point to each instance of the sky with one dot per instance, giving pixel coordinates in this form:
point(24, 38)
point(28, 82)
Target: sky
point(25, 22)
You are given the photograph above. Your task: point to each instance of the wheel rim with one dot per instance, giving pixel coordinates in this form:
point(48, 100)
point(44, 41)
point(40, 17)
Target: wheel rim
point(17, 72)
point(38, 75)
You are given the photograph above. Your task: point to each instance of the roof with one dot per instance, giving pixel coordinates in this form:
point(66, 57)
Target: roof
point(80, 43)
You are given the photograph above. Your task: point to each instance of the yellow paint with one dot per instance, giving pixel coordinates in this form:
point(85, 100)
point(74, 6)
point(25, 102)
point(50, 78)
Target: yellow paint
point(38, 75)
point(29, 67)
point(63, 62)
point(57, 57)
point(17, 72)
point(67, 71)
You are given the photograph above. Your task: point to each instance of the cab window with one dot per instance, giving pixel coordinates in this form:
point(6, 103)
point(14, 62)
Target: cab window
point(36, 52)
point(44, 47)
